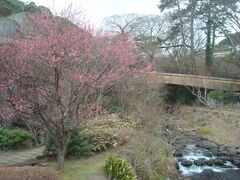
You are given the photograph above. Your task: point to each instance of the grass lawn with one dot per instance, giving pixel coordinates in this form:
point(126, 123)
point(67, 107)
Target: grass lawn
point(84, 168)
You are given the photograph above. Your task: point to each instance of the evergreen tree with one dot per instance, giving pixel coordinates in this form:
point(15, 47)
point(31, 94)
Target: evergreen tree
point(8, 7)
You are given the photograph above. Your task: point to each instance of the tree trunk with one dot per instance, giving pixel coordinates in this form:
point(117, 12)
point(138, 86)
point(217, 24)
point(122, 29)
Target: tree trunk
point(185, 63)
point(60, 159)
point(62, 145)
point(209, 58)
point(192, 37)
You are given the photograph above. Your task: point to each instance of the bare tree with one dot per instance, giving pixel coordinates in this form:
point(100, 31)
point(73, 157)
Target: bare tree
point(121, 24)
point(149, 35)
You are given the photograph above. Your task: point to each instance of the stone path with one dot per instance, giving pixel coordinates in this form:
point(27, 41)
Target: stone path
point(15, 158)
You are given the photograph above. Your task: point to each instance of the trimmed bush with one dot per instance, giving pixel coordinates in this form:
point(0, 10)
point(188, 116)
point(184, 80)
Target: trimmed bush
point(78, 146)
point(119, 169)
point(28, 173)
point(100, 138)
point(86, 142)
point(10, 139)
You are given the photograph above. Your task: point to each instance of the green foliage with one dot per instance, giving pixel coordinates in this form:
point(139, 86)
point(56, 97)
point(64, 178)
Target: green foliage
point(87, 141)
point(226, 42)
point(180, 95)
point(50, 148)
point(78, 146)
point(10, 139)
point(217, 95)
point(8, 7)
point(113, 105)
point(149, 155)
point(220, 95)
point(161, 177)
point(119, 169)
point(100, 138)
point(205, 130)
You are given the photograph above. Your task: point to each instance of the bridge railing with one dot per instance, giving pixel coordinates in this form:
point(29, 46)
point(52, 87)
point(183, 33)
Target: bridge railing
point(198, 71)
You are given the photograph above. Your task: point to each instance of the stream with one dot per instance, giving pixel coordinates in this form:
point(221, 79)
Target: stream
point(200, 159)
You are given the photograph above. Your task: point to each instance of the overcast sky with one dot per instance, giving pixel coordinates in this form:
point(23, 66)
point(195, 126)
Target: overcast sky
point(97, 10)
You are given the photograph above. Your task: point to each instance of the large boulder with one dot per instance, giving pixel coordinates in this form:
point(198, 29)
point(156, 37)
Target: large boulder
point(199, 162)
point(209, 162)
point(208, 145)
point(186, 163)
point(208, 173)
point(218, 162)
point(177, 154)
point(236, 162)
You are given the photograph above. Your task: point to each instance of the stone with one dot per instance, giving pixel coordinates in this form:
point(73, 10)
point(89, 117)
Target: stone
point(232, 152)
point(208, 173)
point(186, 163)
point(177, 166)
point(236, 162)
point(209, 162)
point(207, 154)
point(177, 154)
point(199, 162)
point(223, 153)
point(218, 162)
point(180, 159)
point(209, 145)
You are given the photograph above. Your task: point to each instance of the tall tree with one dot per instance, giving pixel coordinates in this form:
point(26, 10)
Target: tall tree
point(148, 31)
point(214, 15)
point(179, 20)
point(56, 75)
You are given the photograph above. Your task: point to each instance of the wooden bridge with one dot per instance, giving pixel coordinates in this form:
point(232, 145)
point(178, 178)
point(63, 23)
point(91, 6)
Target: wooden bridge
point(200, 81)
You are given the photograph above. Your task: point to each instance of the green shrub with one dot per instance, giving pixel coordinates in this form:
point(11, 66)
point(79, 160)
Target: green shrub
point(100, 138)
point(10, 139)
point(205, 130)
point(119, 169)
point(220, 96)
point(150, 156)
point(78, 146)
point(87, 141)
point(180, 95)
point(113, 105)
point(50, 148)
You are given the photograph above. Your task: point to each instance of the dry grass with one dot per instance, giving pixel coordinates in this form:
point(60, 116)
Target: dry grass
point(28, 173)
point(220, 125)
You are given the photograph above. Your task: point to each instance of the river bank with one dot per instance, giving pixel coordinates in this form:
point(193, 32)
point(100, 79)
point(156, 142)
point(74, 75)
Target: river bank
point(205, 142)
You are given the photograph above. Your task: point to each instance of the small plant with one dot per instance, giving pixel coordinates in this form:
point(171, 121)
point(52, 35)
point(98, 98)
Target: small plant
point(205, 130)
point(119, 169)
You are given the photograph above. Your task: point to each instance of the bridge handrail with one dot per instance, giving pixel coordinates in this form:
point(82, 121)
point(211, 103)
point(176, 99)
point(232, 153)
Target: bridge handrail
point(198, 76)
point(198, 72)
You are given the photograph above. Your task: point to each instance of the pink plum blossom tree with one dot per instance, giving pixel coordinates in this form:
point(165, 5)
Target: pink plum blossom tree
point(56, 72)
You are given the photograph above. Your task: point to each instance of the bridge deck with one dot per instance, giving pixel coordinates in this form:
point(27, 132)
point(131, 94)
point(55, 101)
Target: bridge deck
point(200, 81)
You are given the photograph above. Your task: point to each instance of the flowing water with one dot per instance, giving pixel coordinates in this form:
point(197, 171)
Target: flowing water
point(192, 153)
